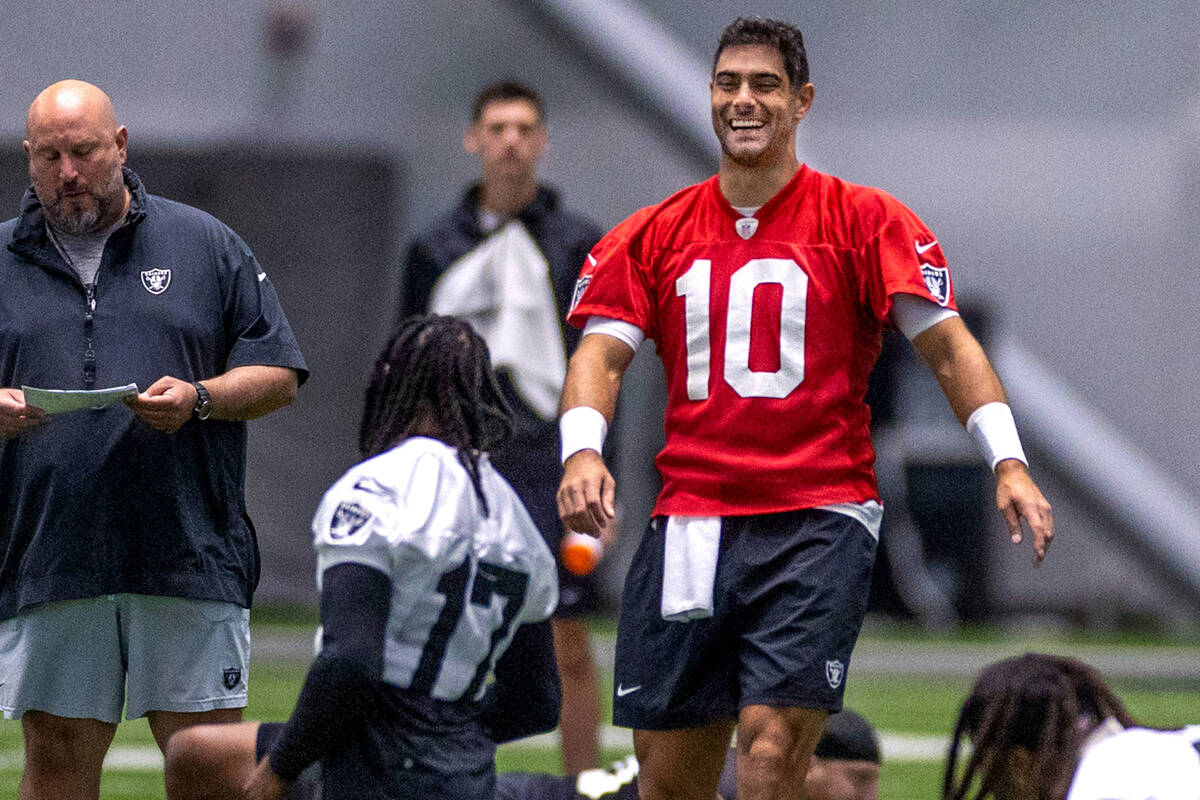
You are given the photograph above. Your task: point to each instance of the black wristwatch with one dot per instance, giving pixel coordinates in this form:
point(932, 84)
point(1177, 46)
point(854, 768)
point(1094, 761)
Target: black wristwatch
point(203, 407)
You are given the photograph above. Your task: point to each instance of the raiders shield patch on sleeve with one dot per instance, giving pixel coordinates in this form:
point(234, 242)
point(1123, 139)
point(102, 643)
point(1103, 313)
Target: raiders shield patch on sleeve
point(348, 525)
point(580, 287)
point(937, 281)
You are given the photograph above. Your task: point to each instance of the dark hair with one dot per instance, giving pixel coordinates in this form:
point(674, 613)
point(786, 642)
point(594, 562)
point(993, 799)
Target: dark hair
point(848, 737)
point(783, 37)
point(507, 90)
point(1044, 704)
point(436, 373)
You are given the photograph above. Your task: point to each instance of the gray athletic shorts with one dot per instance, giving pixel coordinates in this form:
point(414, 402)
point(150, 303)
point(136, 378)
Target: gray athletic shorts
point(89, 658)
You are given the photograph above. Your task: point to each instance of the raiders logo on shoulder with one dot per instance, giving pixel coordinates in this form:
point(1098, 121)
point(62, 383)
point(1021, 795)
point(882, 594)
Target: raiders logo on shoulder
point(348, 519)
point(581, 286)
point(937, 281)
point(156, 281)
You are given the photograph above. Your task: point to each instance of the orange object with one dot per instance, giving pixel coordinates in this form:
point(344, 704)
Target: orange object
point(581, 552)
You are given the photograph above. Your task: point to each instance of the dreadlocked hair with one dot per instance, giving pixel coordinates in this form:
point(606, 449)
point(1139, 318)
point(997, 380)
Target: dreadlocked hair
point(434, 377)
point(1044, 704)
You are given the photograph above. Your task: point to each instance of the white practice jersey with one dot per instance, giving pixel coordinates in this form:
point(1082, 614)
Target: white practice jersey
point(1140, 764)
point(461, 583)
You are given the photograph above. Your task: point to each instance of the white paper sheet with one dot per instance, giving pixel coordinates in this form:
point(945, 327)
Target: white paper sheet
point(56, 401)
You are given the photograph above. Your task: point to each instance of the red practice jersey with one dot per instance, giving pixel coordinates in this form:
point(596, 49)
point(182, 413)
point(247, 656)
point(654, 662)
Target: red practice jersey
point(768, 329)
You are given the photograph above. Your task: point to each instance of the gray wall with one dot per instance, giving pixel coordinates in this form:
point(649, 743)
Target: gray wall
point(1052, 146)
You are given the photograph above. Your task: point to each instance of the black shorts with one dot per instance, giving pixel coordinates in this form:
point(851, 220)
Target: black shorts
point(788, 601)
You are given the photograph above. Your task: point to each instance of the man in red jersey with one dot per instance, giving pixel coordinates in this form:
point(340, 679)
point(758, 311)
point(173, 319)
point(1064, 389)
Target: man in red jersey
point(766, 289)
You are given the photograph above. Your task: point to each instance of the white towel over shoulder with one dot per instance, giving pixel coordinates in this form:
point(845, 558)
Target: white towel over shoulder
point(689, 567)
point(503, 289)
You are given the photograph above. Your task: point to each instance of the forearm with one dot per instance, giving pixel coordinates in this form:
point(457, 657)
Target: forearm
point(594, 375)
point(333, 702)
point(970, 384)
point(586, 495)
point(251, 391)
point(339, 688)
point(526, 696)
point(960, 366)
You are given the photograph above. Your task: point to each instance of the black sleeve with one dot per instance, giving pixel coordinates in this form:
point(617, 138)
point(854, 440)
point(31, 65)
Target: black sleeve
point(526, 695)
point(340, 684)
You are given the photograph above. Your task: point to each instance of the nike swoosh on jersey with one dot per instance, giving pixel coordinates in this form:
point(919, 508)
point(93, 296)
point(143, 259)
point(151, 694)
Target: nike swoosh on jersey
point(622, 691)
point(924, 248)
point(372, 486)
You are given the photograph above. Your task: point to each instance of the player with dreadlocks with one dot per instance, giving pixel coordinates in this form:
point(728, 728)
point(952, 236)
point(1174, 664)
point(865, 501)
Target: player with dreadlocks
point(1046, 727)
point(436, 372)
point(433, 579)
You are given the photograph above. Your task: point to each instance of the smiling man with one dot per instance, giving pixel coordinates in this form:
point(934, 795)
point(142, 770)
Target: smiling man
point(766, 290)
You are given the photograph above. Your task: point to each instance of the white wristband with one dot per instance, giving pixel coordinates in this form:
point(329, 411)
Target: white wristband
point(581, 428)
point(993, 428)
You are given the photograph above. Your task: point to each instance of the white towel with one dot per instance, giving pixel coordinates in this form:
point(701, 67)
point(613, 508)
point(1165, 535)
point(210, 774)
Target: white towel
point(689, 567)
point(502, 288)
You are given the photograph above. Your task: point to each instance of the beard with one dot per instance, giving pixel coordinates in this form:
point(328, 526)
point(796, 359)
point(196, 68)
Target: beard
point(63, 217)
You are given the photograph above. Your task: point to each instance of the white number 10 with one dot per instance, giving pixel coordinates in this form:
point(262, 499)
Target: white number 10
point(695, 287)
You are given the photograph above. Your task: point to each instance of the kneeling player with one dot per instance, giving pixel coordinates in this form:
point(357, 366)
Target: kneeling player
point(432, 577)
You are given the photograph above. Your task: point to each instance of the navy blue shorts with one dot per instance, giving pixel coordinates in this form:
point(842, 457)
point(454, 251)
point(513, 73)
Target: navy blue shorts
point(788, 602)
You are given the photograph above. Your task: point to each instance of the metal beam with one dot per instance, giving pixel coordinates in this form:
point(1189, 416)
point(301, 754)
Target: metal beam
point(640, 53)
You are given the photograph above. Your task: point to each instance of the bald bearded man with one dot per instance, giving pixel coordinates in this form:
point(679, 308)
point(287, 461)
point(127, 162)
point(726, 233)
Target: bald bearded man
point(127, 560)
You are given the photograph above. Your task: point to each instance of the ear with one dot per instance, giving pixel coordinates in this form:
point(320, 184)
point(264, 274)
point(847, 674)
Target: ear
point(121, 139)
point(541, 139)
point(471, 140)
point(805, 97)
point(25, 144)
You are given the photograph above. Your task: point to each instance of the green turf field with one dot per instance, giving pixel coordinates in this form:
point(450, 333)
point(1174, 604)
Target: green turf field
point(918, 707)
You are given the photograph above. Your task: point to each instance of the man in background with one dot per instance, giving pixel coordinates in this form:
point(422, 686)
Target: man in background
point(505, 260)
point(128, 561)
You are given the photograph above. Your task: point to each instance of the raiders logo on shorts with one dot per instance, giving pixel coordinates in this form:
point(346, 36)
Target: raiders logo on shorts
point(834, 670)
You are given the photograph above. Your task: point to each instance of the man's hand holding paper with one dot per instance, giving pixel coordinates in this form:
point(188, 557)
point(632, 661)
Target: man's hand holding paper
point(15, 416)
